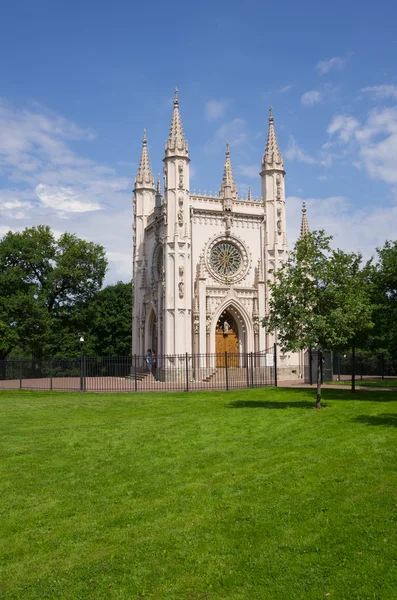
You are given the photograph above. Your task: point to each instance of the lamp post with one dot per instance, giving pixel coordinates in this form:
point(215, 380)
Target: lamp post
point(81, 363)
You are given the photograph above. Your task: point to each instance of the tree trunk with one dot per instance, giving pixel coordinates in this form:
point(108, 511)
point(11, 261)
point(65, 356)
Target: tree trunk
point(353, 367)
point(319, 369)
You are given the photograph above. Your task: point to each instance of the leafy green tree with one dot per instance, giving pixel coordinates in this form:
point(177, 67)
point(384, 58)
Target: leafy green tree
point(319, 299)
point(43, 283)
point(384, 295)
point(108, 329)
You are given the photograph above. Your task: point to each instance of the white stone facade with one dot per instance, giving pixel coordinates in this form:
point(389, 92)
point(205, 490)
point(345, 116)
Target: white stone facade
point(200, 261)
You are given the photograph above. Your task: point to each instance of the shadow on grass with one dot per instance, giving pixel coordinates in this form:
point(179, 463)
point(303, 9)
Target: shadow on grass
point(341, 393)
point(385, 420)
point(269, 404)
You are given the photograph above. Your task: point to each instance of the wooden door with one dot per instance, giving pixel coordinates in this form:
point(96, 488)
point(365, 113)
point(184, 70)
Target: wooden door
point(226, 340)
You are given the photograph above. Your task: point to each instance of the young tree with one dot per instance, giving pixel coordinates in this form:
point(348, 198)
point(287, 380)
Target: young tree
point(319, 299)
point(43, 282)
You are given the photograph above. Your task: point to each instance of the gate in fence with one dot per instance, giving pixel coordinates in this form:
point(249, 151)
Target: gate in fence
point(179, 372)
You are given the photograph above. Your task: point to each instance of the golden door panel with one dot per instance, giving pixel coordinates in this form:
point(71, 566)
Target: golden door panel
point(226, 340)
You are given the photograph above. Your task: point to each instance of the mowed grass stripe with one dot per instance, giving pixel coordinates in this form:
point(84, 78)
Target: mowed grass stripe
point(242, 495)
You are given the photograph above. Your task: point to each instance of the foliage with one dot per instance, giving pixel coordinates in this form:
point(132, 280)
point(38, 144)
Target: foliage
point(319, 298)
point(45, 285)
point(100, 503)
point(108, 329)
point(384, 293)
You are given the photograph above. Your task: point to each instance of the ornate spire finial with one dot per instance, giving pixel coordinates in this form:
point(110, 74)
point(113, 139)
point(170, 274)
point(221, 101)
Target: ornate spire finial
point(304, 224)
point(176, 143)
point(144, 177)
point(158, 184)
point(249, 197)
point(272, 158)
point(228, 189)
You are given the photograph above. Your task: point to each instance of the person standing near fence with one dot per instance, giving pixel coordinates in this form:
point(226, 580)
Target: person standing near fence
point(149, 360)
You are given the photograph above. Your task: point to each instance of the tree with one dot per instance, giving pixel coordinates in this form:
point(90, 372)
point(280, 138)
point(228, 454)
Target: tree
point(319, 299)
point(108, 331)
point(43, 284)
point(384, 295)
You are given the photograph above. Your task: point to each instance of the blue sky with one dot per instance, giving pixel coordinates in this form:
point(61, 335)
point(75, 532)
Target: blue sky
point(80, 80)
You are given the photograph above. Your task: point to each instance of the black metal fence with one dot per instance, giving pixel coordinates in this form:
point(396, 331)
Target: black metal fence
point(310, 366)
point(180, 372)
point(365, 365)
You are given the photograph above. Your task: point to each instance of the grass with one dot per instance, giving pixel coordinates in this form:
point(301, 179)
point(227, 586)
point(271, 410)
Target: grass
point(237, 495)
point(376, 383)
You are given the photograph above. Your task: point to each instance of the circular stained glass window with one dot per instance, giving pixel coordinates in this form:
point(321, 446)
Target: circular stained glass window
point(225, 259)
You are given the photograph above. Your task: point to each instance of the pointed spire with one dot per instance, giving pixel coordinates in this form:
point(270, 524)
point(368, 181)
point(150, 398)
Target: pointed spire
point(228, 191)
point(272, 158)
point(158, 191)
point(304, 224)
point(249, 197)
point(144, 177)
point(176, 143)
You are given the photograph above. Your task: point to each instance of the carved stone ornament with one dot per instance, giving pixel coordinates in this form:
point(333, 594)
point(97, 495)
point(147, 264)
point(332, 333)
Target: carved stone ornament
point(196, 323)
point(180, 171)
point(180, 217)
point(181, 287)
point(208, 322)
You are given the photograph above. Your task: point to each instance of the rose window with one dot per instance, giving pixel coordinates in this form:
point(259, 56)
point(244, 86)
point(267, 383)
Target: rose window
point(225, 259)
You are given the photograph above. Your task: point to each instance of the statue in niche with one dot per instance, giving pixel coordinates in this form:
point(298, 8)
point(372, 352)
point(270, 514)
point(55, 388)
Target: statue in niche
point(180, 171)
point(225, 328)
point(181, 287)
point(228, 222)
point(196, 324)
point(279, 226)
point(180, 217)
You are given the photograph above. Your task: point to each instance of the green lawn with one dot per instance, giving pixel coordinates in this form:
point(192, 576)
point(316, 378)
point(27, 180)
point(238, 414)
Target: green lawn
point(378, 383)
point(234, 495)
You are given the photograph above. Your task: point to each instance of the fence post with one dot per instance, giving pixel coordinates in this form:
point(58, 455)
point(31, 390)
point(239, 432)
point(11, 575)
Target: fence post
point(84, 374)
point(227, 373)
point(248, 372)
point(252, 369)
point(187, 372)
point(135, 378)
point(310, 366)
point(51, 373)
point(20, 373)
point(275, 366)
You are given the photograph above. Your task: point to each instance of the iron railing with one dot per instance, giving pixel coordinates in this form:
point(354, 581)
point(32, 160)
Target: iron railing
point(179, 372)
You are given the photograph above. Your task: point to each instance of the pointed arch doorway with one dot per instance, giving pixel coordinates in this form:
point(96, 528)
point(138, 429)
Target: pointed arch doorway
point(226, 340)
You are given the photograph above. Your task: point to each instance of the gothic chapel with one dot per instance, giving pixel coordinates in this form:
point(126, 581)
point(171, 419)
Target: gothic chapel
point(201, 262)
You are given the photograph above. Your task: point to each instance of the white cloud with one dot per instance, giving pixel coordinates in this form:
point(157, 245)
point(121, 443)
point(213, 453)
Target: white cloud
point(65, 200)
point(353, 229)
point(344, 125)
point(374, 142)
point(248, 170)
point(336, 62)
point(49, 182)
point(311, 98)
point(295, 152)
point(234, 132)
point(215, 109)
point(380, 92)
point(284, 89)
